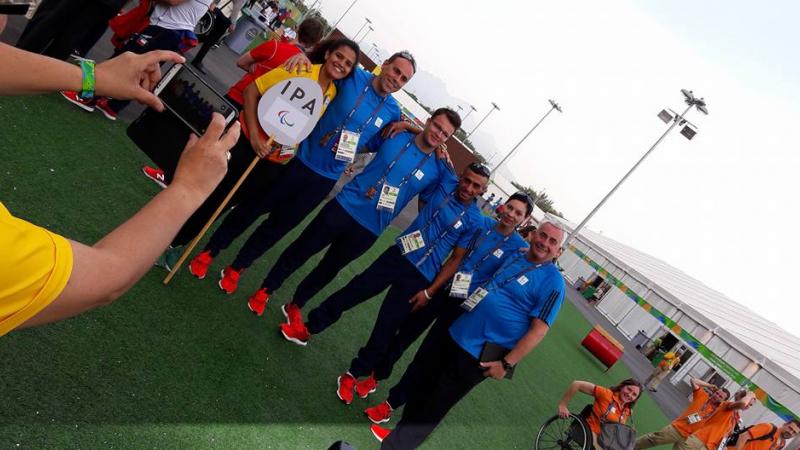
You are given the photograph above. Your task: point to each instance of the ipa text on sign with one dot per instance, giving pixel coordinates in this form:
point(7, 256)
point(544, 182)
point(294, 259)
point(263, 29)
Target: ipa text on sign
point(289, 110)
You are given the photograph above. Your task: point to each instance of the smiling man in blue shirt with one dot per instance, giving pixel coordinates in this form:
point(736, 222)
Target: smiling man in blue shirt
point(405, 165)
point(362, 107)
point(409, 269)
point(513, 310)
point(491, 245)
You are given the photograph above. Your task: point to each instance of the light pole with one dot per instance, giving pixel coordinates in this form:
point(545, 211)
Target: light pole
point(365, 34)
point(471, 109)
point(691, 101)
point(342, 17)
point(494, 106)
point(553, 105)
point(368, 22)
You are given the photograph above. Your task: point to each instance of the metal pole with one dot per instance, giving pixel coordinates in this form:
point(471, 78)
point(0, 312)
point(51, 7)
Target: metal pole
point(342, 17)
point(482, 120)
point(589, 216)
point(552, 107)
point(365, 35)
point(471, 109)
point(359, 30)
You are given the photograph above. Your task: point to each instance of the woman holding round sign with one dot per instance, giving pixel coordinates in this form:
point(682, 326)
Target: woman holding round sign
point(362, 108)
point(333, 60)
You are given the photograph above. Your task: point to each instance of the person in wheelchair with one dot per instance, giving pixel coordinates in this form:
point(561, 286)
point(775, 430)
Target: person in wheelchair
point(611, 405)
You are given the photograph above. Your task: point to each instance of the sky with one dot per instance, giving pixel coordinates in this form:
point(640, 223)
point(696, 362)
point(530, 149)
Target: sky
point(721, 207)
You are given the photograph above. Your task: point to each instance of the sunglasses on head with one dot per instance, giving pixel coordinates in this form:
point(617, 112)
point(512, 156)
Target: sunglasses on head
point(480, 169)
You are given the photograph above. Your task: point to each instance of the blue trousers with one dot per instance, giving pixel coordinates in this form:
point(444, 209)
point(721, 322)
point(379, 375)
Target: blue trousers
point(292, 197)
point(334, 228)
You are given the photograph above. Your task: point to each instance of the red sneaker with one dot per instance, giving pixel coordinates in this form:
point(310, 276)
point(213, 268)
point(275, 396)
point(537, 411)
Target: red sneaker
point(296, 332)
point(379, 432)
point(156, 175)
point(379, 413)
point(366, 387)
point(230, 280)
point(344, 388)
point(75, 99)
point(199, 265)
point(258, 302)
point(292, 313)
point(102, 105)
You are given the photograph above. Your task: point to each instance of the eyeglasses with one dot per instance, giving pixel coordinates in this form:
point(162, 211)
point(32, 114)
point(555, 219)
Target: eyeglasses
point(405, 54)
point(480, 169)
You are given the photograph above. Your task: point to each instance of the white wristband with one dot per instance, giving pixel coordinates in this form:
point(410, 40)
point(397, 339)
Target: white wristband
point(425, 291)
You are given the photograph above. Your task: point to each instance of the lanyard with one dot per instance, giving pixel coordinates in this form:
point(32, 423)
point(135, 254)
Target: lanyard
point(394, 161)
point(353, 111)
point(445, 230)
point(608, 411)
point(478, 243)
point(510, 263)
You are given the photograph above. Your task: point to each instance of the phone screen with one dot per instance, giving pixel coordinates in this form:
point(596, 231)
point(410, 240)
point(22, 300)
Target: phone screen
point(13, 7)
point(193, 101)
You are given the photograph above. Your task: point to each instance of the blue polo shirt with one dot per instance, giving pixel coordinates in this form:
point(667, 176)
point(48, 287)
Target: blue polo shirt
point(488, 250)
point(452, 226)
point(417, 171)
point(506, 313)
point(320, 158)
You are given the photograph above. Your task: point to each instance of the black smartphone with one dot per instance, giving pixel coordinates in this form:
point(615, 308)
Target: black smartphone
point(15, 7)
point(185, 93)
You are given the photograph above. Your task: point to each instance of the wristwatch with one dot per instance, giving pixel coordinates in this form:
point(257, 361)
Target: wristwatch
point(506, 365)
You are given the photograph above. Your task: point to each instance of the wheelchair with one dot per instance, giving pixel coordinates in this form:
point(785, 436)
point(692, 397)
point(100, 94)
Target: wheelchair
point(572, 433)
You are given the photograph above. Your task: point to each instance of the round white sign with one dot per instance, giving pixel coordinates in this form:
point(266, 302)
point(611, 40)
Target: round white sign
point(289, 110)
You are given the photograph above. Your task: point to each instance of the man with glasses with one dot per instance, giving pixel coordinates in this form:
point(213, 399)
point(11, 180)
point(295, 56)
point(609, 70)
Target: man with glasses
point(491, 245)
point(404, 166)
point(362, 108)
point(409, 269)
point(513, 311)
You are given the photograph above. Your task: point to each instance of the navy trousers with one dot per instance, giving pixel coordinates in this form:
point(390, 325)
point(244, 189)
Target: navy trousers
point(333, 227)
point(292, 197)
point(451, 373)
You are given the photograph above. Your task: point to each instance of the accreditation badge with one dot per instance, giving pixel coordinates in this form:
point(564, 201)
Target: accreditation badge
point(693, 418)
point(412, 241)
point(460, 286)
point(388, 198)
point(472, 301)
point(347, 147)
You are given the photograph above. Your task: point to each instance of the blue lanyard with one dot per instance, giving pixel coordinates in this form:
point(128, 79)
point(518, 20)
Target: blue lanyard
point(490, 252)
point(432, 246)
point(511, 262)
point(349, 116)
point(391, 165)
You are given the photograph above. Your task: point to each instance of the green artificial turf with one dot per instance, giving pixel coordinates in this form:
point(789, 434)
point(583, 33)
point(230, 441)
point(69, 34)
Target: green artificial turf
point(186, 366)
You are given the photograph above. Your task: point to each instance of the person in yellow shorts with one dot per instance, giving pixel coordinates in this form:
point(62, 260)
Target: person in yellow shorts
point(766, 436)
point(45, 277)
point(719, 425)
point(702, 407)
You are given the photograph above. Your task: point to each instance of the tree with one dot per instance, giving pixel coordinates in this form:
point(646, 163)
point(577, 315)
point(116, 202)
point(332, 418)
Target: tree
point(541, 199)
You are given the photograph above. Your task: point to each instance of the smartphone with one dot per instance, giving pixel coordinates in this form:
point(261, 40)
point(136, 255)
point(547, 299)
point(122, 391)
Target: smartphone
point(193, 100)
point(15, 7)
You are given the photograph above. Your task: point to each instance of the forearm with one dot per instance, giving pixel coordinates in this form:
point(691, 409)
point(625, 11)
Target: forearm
point(51, 74)
point(446, 273)
point(569, 393)
point(525, 345)
point(700, 383)
point(251, 96)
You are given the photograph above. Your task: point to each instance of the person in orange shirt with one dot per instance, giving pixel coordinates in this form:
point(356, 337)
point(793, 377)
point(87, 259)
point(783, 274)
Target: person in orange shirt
point(766, 436)
point(691, 419)
point(610, 404)
point(719, 425)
